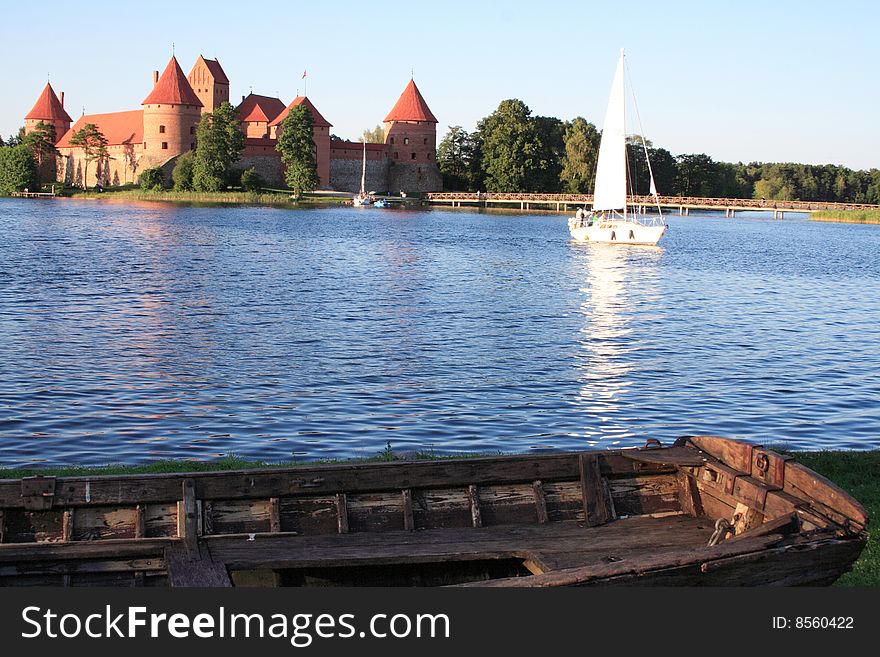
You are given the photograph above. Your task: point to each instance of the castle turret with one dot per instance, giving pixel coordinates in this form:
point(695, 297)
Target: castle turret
point(48, 109)
point(210, 83)
point(320, 136)
point(411, 139)
point(171, 114)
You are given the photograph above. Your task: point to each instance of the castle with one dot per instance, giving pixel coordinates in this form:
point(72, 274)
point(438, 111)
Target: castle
point(165, 128)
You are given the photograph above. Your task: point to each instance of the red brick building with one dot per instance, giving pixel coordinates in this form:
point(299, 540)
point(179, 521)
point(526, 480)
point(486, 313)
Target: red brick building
point(165, 128)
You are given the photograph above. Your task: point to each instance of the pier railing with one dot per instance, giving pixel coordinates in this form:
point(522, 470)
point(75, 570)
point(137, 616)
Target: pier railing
point(561, 202)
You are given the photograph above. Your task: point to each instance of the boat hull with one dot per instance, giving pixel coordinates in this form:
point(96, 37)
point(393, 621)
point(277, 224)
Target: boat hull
point(623, 517)
point(616, 232)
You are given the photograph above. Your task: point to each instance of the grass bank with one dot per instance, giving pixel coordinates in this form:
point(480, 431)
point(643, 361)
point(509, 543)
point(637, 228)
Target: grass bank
point(268, 197)
point(848, 216)
point(858, 473)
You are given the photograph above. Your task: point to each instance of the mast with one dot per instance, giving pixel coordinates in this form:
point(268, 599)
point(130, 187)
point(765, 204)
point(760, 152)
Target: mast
point(364, 171)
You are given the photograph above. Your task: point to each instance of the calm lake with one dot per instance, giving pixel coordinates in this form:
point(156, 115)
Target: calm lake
point(137, 332)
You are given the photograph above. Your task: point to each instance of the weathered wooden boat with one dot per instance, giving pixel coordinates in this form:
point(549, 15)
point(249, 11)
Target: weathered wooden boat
point(704, 511)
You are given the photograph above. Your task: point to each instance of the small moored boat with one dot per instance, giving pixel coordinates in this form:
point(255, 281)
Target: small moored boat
point(704, 511)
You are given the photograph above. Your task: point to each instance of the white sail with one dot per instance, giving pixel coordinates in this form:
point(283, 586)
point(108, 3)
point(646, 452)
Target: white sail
point(610, 191)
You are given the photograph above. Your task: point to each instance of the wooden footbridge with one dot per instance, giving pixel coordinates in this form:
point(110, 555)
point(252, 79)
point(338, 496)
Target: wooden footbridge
point(683, 204)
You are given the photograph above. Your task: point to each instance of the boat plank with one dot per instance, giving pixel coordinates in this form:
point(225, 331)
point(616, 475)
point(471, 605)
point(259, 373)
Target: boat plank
point(637, 565)
point(187, 518)
point(183, 570)
point(804, 483)
point(540, 502)
point(689, 495)
point(326, 479)
point(408, 520)
point(289, 551)
point(593, 490)
point(108, 549)
point(668, 455)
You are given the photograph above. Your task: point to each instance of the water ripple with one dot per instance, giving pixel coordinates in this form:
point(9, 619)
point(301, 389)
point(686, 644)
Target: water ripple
point(133, 333)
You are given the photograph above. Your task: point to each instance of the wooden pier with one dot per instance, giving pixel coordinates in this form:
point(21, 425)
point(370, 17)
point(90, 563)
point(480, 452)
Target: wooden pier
point(683, 204)
point(29, 194)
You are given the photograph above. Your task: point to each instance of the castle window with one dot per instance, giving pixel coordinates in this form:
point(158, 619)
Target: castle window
point(425, 141)
point(161, 129)
point(429, 156)
point(392, 140)
point(413, 156)
point(164, 145)
point(192, 146)
point(406, 140)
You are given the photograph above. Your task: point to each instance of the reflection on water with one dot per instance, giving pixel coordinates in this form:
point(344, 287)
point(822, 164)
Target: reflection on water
point(607, 337)
point(135, 332)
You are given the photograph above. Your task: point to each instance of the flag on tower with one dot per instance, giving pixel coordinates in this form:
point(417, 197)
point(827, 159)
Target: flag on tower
point(304, 75)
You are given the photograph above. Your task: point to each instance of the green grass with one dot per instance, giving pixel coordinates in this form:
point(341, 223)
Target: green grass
point(858, 473)
point(848, 216)
point(270, 197)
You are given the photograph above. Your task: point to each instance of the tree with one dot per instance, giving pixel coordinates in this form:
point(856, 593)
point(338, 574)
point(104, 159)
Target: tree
point(18, 169)
point(93, 144)
point(544, 174)
point(508, 141)
point(130, 160)
point(152, 179)
point(219, 142)
point(182, 174)
point(374, 136)
point(454, 155)
point(41, 140)
point(251, 181)
point(581, 141)
point(297, 147)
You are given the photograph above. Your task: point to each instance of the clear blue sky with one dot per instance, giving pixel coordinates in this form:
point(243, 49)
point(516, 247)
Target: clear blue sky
point(742, 81)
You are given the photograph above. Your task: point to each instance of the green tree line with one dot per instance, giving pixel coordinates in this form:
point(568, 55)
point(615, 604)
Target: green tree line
point(511, 150)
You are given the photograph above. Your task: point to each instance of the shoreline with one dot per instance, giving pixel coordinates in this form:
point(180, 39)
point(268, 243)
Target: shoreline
point(865, 217)
point(269, 198)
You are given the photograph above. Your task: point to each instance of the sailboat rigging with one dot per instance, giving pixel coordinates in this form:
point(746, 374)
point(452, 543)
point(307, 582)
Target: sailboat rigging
point(363, 199)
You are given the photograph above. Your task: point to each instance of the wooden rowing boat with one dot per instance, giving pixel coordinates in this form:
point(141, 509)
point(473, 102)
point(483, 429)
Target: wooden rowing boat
point(625, 516)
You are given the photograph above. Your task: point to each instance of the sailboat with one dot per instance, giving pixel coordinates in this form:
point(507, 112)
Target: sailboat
point(363, 199)
point(609, 221)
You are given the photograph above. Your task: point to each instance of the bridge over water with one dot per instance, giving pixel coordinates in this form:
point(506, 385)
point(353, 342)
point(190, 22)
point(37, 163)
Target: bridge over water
point(683, 204)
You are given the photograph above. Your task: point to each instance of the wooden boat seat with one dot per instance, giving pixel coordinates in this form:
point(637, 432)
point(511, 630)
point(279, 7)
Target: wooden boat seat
point(541, 548)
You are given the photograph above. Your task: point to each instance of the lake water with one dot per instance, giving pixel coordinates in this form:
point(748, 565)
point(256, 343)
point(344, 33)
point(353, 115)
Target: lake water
point(137, 332)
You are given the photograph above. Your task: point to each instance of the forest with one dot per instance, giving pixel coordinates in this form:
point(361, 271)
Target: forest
point(511, 150)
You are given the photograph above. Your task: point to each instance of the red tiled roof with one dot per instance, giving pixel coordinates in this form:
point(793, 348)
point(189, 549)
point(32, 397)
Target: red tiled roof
point(172, 88)
point(259, 108)
point(317, 119)
point(411, 107)
point(216, 70)
point(48, 107)
point(118, 127)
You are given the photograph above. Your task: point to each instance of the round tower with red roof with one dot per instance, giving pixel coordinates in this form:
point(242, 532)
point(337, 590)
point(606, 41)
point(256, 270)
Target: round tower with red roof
point(411, 140)
point(171, 113)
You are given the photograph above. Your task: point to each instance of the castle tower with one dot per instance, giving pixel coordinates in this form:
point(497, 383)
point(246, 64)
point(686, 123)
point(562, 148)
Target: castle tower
point(411, 139)
point(171, 114)
point(210, 83)
point(48, 109)
point(320, 135)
